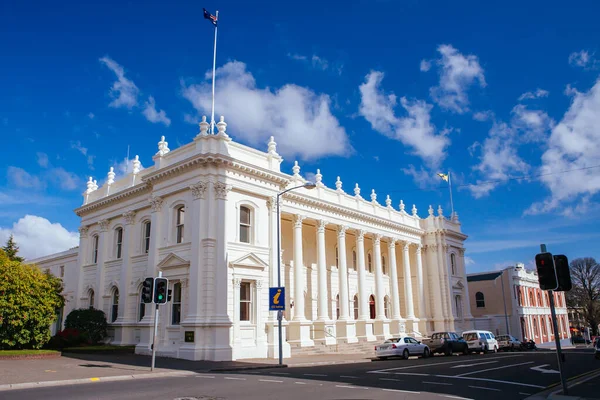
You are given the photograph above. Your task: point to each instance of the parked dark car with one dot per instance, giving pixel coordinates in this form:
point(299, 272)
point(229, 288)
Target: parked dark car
point(447, 343)
point(597, 352)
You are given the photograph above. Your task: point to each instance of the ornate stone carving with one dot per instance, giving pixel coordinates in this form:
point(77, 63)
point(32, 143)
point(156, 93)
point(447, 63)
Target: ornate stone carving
point(83, 232)
point(420, 248)
point(185, 282)
point(237, 282)
point(338, 185)
point(319, 179)
point(298, 221)
point(156, 203)
point(198, 189)
point(104, 225)
point(461, 251)
point(129, 217)
point(406, 246)
point(272, 203)
point(321, 226)
point(221, 190)
point(341, 231)
point(378, 239)
point(259, 284)
point(360, 235)
point(163, 147)
point(392, 241)
point(445, 247)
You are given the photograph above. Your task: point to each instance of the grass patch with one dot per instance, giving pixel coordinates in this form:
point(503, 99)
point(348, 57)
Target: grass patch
point(26, 352)
point(100, 349)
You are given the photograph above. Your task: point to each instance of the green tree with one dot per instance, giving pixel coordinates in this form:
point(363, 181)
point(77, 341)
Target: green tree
point(88, 321)
point(29, 299)
point(11, 249)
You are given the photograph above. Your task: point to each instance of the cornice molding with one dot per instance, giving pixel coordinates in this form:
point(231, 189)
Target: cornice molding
point(141, 188)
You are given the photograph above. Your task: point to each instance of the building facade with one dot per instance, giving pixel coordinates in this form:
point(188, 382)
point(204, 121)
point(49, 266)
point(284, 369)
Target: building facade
point(205, 216)
point(511, 302)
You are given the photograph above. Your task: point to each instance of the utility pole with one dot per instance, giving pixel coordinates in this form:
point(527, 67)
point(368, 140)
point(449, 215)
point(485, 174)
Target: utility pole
point(504, 301)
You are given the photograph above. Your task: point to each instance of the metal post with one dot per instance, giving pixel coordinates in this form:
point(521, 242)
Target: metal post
point(504, 301)
point(559, 354)
point(279, 314)
point(155, 331)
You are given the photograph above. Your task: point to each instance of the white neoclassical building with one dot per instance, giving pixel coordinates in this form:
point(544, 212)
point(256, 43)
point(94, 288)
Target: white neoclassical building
point(204, 215)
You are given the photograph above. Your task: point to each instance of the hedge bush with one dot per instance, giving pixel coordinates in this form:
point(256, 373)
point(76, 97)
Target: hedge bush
point(89, 322)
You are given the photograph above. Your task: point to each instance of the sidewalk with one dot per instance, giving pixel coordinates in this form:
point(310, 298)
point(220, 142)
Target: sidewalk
point(82, 368)
point(584, 387)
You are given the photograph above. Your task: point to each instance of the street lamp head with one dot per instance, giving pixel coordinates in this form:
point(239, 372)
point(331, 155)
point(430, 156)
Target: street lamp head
point(309, 185)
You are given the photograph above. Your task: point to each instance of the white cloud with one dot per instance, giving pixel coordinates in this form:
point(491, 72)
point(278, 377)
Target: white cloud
point(457, 73)
point(23, 179)
point(298, 118)
point(91, 115)
point(153, 115)
point(298, 57)
point(125, 167)
point(38, 237)
point(483, 116)
point(62, 178)
point(310, 176)
point(415, 130)
point(422, 177)
point(425, 65)
point(319, 63)
point(534, 95)
point(582, 59)
point(124, 92)
point(42, 159)
point(469, 261)
point(77, 146)
point(573, 144)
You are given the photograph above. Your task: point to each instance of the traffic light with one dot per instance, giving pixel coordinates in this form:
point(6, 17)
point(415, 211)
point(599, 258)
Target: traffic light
point(563, 274)
point(546, 273)
point(147, 290)
point(169, 295)
point(160, 290)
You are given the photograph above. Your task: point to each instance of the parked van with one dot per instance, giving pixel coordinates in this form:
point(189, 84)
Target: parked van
point(480, 341)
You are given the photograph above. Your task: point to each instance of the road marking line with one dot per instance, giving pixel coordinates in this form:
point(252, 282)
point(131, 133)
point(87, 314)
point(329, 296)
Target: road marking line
point(400, 391)
point(438, 383)
point(270, 380)
point(351, 387)
point(485, 388)
point(493, 369)
point(300, 383)
point(390, 379)
point(205, 376)
point(314, 375)
point(235, 379)
point(455, 397)
point(349, 376)
point(280, 373)
point(472, 365)
point(524, 394)
point(410, 373)
point(383, 371)
point(94, 379)
point(491, 380)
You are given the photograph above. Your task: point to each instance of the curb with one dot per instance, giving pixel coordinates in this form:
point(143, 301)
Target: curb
point(30, 385)
point(31, 356)
point(245, 368)
point(549, 392)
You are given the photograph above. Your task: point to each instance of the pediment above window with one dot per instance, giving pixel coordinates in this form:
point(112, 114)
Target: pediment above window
point(173, 261)
point(458, 285)
point(250, 260)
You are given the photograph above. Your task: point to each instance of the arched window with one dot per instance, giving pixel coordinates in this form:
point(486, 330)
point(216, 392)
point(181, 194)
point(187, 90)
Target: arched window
point(370, 262)
point(176, 305)
point(91, 298)
point(356, 306)
point(531, 298)
point(383, 268)
point(479, 300)
point(119, 242)
point(372, 307)
point(386, 306)
point(245, 224)
point(114, 306)
point(453, 263)
point(337, 257)
point(146, 235)
point(180, 222)
point(535, 327)
point(354, 259)
point(539, 298)
point(95, 240)
point(458, 306)
point(337, 306)
point(142, 308)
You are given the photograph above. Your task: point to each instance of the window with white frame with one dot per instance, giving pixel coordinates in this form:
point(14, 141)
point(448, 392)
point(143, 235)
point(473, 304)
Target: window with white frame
point(370, 262)
point(453, 263)
point(142, 307)
point(146, 235)
point(176, 304)
point(246, 314)
point(95, 240)
point(114, 306)
point(354, 259)
point(356, 306)
point(119, 242)
point(91, 298)
point(179, 223)
point(383, 266)
point(337, 257)
point(337, 307)
point(245, 224)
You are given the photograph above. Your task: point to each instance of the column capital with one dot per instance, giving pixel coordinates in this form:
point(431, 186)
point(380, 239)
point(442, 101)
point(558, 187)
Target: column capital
point(405, 246)
point(221, 190)
point(83, 232)
point(461, 251)
point(104, 225)
point(445, 247)
point(156, 202)
point(198, 190)
point(272, 203)
point(341, 231)
point(298, 219)
point(129, 217)
point(392, 241)
point(321, 226)
point(419, 248)
point(360, 235)
point(377, 239)
point(237, 283)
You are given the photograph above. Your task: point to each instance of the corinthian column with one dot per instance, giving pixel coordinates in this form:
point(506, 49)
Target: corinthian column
point(397, 326)
point(322, 272)
point(343, 273)
point(379, 290)
point(363, 305)
point(298, 271)
point(410, 310)
point(420, 283)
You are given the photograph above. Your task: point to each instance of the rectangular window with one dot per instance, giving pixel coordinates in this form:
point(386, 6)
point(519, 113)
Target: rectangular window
point(147, 227)
point(95, 249)
point(119, 242)
point(62, 271)
point(180, 223)
point(245, 217)
point(176, 310)
point(245, 302)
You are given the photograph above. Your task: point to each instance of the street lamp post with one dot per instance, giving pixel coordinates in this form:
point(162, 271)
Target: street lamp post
point(307, 185)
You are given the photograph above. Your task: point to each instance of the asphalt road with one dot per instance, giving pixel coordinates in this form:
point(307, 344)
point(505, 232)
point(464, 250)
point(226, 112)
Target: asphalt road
point(493, 376)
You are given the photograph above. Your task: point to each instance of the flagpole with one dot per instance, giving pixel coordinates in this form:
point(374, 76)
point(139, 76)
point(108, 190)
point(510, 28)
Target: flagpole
point(212, 114)
point(451, 202)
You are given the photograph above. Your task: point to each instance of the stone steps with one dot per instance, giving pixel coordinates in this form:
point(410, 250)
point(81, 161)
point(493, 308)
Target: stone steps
point(366, 348)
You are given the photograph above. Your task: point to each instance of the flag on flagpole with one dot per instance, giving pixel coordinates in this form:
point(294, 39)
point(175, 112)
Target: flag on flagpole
point(443, 176)
point(210, 17)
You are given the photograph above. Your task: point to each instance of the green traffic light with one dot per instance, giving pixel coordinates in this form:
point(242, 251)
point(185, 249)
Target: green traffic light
point(160, 296)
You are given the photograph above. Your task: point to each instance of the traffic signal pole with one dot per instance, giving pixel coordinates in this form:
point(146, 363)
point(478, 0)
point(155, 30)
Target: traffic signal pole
point(155, 331)
point(559, 354)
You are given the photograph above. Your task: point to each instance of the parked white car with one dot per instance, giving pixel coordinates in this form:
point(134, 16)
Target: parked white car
point(508, 342)
point(401, 347)
point(481, 341)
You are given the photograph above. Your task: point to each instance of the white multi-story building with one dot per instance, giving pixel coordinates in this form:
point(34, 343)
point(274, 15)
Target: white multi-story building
point(205, 216)
point(511, 301)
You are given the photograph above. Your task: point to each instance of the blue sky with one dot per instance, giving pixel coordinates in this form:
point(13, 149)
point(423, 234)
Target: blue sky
point(380, 93)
